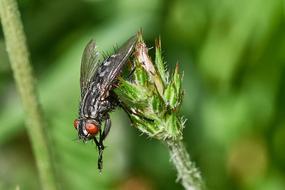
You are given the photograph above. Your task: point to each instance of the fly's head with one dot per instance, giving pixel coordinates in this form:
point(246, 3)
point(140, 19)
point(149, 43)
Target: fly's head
point(87, 128)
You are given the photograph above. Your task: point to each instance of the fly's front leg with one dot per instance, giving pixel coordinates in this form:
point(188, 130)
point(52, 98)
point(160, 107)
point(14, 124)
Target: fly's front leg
point(102, 136)
point(100, 150)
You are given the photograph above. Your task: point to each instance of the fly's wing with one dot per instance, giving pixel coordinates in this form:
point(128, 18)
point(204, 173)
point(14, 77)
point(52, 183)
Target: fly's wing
point(118, 60)
point(89, 63)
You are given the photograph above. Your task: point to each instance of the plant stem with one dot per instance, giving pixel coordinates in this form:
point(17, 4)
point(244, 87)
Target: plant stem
point(187, 172)
point(19, 57)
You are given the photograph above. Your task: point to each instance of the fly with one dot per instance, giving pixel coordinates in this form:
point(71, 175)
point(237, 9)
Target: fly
point(97, 81)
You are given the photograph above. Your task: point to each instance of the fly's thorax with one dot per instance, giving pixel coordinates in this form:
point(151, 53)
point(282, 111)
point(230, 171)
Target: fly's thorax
point(101, 76)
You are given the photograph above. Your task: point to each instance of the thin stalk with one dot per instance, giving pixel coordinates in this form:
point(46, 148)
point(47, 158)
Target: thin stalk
point(19, 58)
point(187, 172)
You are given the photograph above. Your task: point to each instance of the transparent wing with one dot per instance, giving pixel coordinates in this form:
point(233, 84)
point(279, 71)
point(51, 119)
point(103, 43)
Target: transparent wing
point(119, 59)
point(89, 64)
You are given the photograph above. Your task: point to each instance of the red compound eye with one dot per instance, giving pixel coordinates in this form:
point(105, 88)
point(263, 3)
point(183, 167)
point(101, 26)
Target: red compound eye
point(75, 123)
point(91, 128)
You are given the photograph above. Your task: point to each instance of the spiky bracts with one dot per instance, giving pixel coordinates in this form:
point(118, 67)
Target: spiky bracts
point(153, 97)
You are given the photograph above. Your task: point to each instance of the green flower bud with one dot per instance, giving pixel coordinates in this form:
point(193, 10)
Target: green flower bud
point(151, 98)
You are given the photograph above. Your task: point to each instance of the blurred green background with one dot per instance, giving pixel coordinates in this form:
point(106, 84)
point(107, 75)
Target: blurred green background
point(233, 57)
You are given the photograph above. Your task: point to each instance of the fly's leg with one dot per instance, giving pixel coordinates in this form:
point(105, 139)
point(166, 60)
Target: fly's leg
point(100, 147)
point(107, 128)
point(99, 144)
point(132, 71)
point(132, 112)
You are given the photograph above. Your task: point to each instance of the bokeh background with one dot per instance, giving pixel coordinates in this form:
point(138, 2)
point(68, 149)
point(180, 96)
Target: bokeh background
point(233, 57)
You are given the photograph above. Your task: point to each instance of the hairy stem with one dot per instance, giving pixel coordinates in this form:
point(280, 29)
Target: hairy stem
point(19, 57)
point(187, 172)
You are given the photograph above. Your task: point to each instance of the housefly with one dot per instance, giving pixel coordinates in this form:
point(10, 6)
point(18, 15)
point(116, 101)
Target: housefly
point(97, 80)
